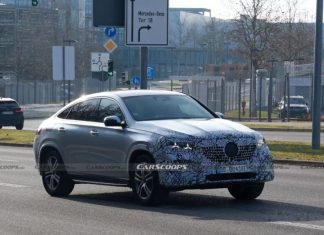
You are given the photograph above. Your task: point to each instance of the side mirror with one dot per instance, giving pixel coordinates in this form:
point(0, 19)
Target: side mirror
point(114, 121)
point(220, 115)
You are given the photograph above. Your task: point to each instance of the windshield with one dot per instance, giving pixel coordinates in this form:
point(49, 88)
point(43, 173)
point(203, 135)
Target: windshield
point(297, 101)
point(161, 107)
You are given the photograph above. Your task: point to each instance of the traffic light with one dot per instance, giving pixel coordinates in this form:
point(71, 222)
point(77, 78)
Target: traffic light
point(125, 79)
point(34, 3)
point(110, 68)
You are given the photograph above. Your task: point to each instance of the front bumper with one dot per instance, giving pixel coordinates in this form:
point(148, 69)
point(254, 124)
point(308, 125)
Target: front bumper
point(201, 172)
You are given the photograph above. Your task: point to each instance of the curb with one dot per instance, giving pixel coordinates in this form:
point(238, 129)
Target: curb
point(16, 145)
point(299, 163)
point(283, 129)
point(284, 162)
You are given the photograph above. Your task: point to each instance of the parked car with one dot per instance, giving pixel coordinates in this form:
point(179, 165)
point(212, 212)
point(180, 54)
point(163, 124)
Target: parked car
point(298, 107)
point(11, 114)
point(152, 141)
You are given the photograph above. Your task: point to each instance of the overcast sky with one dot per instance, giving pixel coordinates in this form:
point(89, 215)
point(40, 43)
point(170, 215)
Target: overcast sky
point(224, 9)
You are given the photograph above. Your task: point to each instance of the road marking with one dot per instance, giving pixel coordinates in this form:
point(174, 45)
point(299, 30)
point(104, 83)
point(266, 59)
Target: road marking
point(13, 185)
point(299, 225)
point(7, 160)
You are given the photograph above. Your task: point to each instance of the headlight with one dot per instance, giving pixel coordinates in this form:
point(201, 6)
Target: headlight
point(260, 142)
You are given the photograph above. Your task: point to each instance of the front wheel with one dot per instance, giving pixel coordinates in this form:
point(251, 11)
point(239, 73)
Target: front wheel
point(55, 179)
point(145, 183)
point(246, 191)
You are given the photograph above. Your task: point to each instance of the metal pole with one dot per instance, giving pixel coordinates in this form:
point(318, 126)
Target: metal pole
point(260, 96)
point(144, 64)
point(222, 96)
point(239, 99)
point(288, 97)
point(317, 81)
point(284, 113)
point(64, 75)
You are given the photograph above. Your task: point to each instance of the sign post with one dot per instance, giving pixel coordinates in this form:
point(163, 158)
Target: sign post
point(146, 25)
point(147, 22)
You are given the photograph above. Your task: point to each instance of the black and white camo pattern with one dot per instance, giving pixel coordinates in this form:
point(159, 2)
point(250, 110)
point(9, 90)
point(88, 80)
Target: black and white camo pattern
point(200, 166)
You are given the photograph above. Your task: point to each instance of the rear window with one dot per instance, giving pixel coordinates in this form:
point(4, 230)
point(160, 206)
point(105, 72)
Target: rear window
point(10, 104)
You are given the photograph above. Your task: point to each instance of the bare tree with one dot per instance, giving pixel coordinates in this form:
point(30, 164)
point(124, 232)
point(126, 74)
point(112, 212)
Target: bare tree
point(294, 39)
point(253, 30)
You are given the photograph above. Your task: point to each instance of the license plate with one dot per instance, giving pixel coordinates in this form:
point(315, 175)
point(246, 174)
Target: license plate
point(233, 169)
point(7, 112)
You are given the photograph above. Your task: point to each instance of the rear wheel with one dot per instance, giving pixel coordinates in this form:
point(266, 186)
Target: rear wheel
point(55, 179)
point(145, 183)
point(20, 126)
point(0, 127)
point(246, 191)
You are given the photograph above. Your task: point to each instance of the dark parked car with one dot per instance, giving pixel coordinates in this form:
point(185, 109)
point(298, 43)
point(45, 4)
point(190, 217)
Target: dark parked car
point(298, 107)
point(11, 114)
point(152, 141)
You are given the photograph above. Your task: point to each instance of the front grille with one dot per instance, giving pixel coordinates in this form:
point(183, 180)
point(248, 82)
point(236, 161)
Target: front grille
point(217, 153)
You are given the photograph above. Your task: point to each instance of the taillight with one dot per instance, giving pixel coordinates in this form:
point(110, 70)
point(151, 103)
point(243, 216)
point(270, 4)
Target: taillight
point(19, 110)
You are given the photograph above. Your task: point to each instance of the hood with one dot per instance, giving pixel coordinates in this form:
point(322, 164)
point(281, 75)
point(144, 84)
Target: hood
point(194, 127)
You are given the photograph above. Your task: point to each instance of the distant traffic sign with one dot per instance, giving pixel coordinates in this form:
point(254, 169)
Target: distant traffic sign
point(110, 45)
point(150, 73)
point(136, 81)
point(147, 22)
point(99, 62)
point(110, 32)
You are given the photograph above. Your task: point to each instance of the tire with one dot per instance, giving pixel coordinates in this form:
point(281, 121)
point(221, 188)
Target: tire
point(0, 127)
point(246, 191)
point(20, 126)
point(145, 183)
point(56, 181)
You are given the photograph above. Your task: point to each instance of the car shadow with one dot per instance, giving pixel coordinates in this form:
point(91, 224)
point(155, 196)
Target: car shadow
point(209, 207)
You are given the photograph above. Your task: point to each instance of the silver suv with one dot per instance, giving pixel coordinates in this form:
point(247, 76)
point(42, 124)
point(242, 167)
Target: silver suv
point(152, 141)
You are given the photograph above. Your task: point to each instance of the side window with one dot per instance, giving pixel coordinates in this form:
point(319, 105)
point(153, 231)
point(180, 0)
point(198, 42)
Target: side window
point(65, 113)
point(84, 111)
point(108, 107)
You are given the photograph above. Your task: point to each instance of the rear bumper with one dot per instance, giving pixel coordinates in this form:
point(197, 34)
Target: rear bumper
point(11, 120)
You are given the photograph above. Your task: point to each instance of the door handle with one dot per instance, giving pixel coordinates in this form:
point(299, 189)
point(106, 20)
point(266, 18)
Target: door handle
point(94, 132)
point(61, 129)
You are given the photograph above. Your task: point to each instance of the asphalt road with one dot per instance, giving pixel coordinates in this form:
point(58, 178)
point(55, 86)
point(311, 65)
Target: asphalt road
point(32, 124)
point(291, 204)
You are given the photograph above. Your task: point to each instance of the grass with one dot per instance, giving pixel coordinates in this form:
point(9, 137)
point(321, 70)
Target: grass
point(16, 137)
point(233, 114)
point(283, 150)
point(280, 149)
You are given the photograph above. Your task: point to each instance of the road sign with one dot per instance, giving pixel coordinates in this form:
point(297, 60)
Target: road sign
point(147, 22)
point(150, 73)
point(99, 61)
point(110, 32)
point(69, 68)
point(136, 81)
point(110, 45)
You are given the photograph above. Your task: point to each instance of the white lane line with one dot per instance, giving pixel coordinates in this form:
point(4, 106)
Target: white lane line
point(299, 225)
point(13, 185)
point(7, 160)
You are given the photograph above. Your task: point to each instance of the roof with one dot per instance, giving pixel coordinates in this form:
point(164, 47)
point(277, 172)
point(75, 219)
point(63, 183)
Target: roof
point(6, 99)
point(129, 93)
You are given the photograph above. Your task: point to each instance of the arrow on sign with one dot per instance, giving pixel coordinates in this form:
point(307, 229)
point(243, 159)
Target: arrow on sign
point(132, 39)
point(140, 29)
